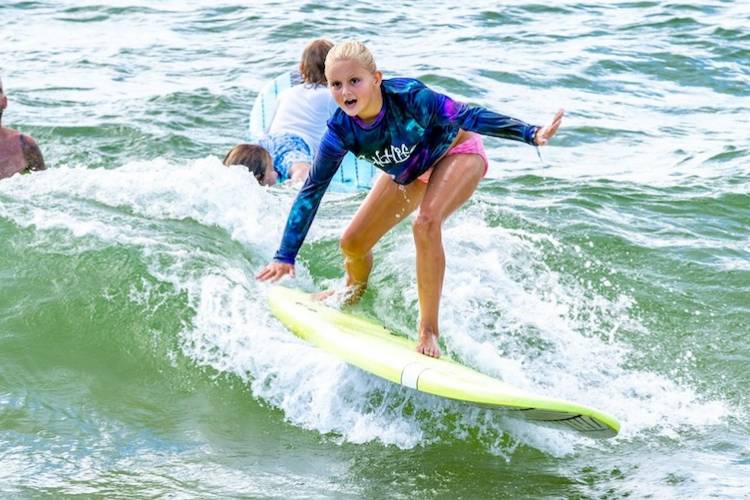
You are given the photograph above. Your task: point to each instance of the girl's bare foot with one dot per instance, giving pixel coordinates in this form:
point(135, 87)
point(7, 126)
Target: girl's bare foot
point(347, 296)
point(322, 296)
point(428, 344)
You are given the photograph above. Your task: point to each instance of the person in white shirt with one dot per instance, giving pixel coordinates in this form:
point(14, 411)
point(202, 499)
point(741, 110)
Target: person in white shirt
point(297, 126)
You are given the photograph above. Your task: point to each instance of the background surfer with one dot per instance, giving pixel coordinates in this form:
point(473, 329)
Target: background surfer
point(297, 125)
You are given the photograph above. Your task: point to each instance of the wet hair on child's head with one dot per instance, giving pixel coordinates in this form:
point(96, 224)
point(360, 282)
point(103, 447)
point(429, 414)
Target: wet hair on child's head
point(252, 156)
point(312, 63)
point(352, 50)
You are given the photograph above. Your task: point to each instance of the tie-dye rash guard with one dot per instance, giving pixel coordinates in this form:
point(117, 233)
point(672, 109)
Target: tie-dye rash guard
point(414, 129)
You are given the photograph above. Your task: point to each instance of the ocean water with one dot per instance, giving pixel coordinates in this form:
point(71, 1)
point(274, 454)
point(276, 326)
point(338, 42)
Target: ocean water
point(138, 357)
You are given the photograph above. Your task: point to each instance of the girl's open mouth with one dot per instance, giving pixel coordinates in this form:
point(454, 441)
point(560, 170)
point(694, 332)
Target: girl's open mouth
point(350, 102)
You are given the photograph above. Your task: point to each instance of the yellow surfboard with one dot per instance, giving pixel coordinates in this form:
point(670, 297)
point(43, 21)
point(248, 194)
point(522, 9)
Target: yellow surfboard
point(372, 348)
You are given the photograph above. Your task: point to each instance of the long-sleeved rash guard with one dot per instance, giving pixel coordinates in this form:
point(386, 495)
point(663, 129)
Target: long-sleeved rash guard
point(414, 129)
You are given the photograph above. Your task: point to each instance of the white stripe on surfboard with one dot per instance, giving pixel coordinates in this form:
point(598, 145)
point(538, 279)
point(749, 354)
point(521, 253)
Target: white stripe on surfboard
point(410, 375)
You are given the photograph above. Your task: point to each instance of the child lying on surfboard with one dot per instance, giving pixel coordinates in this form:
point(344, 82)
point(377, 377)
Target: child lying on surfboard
point(285, 153)
point(430, 148)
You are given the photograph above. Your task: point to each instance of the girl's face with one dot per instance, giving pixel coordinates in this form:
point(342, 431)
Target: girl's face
point(355, 89)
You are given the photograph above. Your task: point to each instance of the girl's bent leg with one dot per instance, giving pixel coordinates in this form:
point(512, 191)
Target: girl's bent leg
point(453, 181)
point(386, 205)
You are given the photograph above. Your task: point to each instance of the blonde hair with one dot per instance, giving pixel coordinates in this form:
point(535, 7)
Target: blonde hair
point(312, 63)
point(352, 50)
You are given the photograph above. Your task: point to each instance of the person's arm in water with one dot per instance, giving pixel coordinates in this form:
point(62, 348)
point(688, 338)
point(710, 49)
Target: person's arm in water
point(31, 153)
point(305, 206)
point(298, 172)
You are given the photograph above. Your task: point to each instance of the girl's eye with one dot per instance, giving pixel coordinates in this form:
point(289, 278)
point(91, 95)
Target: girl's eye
point(354, 81)
point(335, 85)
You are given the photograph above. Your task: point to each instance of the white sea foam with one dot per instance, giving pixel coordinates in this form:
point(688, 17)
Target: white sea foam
point(504, 311)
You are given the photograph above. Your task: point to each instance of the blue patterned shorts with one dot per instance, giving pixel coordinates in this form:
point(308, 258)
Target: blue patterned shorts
point(286, 150)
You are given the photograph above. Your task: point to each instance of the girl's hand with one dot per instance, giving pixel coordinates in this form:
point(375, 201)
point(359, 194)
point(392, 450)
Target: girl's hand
point(275, 271)
point(544, 134)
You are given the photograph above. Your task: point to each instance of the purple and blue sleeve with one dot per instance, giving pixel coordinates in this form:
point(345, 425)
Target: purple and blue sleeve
point(445, 111)
point(302, 213)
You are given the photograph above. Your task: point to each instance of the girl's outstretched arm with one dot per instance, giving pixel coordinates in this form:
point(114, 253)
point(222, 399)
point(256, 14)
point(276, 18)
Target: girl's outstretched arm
point(327, 161)
point(437, 108)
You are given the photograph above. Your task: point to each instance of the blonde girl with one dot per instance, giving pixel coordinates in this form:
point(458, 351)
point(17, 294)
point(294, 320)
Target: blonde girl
point(430, 148)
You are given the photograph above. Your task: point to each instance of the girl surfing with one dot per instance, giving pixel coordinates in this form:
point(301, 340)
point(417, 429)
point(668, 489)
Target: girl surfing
point(431, 149)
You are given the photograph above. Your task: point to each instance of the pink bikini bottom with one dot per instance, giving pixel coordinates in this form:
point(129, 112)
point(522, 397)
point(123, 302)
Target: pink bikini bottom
point(471, 146)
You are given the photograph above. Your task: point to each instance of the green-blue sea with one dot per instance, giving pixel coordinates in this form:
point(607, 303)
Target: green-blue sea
point(138, 356)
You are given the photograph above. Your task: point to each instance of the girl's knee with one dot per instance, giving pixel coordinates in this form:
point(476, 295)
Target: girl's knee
point(426, 225)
